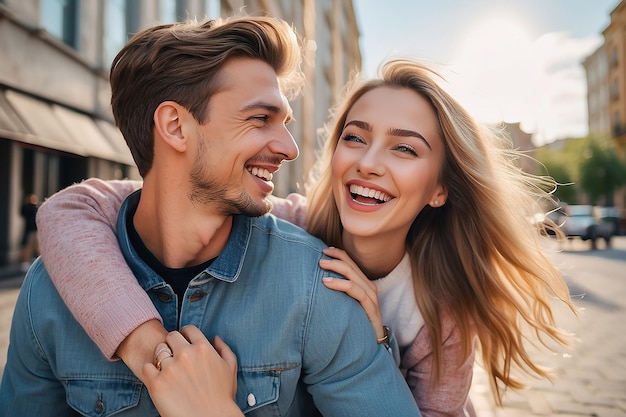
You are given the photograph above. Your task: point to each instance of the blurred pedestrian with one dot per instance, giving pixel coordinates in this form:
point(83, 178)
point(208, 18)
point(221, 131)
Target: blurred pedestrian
point(29, 244)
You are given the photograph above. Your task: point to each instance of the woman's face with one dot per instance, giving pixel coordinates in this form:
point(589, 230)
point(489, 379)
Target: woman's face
point(386, 166)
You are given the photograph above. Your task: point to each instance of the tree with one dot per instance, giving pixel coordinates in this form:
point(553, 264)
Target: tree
point(602, 172)
point(565, 191)
point(556, 165)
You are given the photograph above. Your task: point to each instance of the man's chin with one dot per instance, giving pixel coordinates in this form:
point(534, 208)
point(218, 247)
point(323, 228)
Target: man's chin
point(256, 209)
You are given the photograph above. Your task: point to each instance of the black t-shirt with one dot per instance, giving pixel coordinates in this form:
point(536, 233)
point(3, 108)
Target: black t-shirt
point(177, 278)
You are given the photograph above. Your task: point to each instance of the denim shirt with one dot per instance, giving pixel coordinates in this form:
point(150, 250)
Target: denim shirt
point(301, 348)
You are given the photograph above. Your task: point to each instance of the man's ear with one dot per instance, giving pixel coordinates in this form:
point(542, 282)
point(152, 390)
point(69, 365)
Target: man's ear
point(168, 124)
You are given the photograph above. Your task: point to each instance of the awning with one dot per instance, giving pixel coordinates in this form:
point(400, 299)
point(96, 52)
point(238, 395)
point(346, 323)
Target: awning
point(116, 139)
point(29, 120)
point(84, 131)
point(10, 124)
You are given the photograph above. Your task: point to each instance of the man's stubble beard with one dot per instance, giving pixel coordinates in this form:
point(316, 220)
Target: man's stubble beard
point(206, 191)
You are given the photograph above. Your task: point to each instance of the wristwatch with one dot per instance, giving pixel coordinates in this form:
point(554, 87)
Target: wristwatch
point(385, 339)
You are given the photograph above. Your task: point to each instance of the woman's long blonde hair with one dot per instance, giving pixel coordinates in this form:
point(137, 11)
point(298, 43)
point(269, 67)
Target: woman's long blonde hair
point(478, 257)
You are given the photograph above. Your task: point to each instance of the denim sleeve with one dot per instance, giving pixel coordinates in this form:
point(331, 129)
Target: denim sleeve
point(29, 387)
point(346, 371)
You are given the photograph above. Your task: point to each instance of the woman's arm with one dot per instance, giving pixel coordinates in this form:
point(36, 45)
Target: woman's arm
point(77, 237)
point(291, 208)
point(450, 396)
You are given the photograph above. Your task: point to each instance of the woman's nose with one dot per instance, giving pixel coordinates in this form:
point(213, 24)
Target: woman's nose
point(371, 163)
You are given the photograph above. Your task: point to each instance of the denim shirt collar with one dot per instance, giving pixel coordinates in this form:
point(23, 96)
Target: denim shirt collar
point(226, 267)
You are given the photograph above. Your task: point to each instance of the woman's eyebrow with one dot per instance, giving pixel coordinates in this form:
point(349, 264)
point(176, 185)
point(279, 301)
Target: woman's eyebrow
point(408, 133)
point(360, 124)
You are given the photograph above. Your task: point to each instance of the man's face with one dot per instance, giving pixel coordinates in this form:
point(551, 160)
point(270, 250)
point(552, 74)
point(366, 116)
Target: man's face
point(244, 141)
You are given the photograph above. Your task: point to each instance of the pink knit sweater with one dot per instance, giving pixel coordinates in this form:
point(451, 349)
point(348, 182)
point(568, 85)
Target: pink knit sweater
point(79, 247)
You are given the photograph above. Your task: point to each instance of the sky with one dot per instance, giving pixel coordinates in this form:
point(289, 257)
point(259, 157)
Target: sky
point(503, 60)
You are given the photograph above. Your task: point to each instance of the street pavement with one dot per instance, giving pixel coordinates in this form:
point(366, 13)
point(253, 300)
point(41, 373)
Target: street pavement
point(590, 378)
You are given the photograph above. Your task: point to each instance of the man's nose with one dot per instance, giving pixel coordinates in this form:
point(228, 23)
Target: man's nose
point(285, 145)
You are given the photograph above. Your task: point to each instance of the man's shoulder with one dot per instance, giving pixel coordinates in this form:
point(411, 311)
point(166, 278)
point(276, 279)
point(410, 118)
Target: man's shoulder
point(38, 290)
point(283, 229)
point(37, 277)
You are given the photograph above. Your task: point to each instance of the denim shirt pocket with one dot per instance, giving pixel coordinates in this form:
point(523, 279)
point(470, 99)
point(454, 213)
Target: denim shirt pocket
point(259, 388)
point(256, 389)
point(102, 397)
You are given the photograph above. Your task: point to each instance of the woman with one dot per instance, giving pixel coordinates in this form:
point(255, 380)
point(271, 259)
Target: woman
point(426, 215)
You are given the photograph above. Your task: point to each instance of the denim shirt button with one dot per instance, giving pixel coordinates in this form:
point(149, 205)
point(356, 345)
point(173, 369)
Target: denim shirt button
point(251, 400)
point(163, 296)
point(99, 406)
point(196, 296)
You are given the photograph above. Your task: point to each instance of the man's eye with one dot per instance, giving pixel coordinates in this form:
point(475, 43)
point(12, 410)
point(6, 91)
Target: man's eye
point(261, 117)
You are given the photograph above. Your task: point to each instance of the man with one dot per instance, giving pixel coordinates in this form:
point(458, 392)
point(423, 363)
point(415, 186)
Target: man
point(203, 109)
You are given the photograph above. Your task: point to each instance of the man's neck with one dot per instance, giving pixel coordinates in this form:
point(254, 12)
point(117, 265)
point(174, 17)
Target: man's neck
point(179, 235)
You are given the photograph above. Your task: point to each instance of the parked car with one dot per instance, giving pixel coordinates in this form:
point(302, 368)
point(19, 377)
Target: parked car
point(556, 217)
point(610, 215)
point(581, 221)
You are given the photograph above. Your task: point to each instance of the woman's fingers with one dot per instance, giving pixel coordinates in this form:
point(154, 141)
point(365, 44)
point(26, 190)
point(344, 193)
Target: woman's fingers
point(342, 264)
point(162, 352)
point(194, 376)
point(229, 357)
point(356, 285)
point(225, 352)
point(193, 334)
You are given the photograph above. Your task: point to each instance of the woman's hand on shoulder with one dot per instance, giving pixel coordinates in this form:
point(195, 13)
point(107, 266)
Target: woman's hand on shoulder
point(356, 285)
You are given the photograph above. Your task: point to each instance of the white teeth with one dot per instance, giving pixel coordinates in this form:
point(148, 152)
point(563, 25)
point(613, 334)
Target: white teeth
point(369, 193)
point(261, 173)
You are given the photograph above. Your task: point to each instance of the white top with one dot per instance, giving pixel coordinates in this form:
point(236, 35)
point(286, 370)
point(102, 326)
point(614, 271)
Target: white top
point(398, 307)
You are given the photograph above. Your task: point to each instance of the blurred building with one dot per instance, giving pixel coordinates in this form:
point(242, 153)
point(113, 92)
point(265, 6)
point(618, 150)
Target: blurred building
point(597, 72)
point(615, 41)
point(522, 141)
point(56, 126)
point(606, 81)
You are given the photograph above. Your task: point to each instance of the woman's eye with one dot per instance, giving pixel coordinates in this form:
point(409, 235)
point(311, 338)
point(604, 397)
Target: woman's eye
point(350, 137)
point(406, 149)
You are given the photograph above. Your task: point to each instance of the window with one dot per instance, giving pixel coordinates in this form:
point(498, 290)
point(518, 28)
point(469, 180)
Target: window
point(618, 127)
point(121, 18)
point(614, 90)
point(60, 18)
point(613, 58)
point(115, 35)
point(212, 8)
point(167, 11)
point(171, 11)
